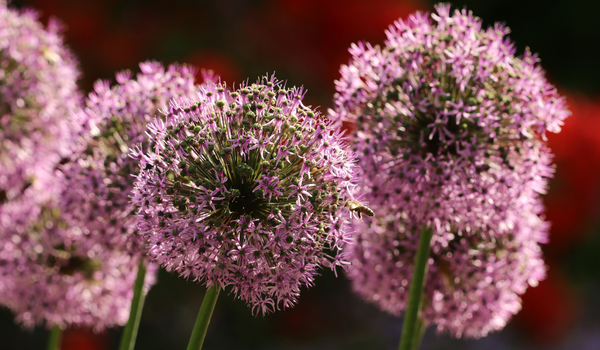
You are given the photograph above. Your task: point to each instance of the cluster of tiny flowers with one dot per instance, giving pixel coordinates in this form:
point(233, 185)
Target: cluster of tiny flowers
point(472, 285)
point(70, 253)
point(450, 126)
point(246, 189)
point(38, 93)
point(48, 276)
point(98, 175)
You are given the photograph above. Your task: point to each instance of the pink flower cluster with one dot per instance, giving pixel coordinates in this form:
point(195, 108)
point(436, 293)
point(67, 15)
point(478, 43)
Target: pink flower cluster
point(54, 274)
point(38, 89)
point(246, 189)
point(69, 252)
point(450, 126)
point(98, 176)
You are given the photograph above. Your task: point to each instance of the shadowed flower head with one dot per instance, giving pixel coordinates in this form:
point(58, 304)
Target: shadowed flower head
point(38, 94)
point(451, 129)
point(473, 283)
point(54, 274)
point(70, 254)
point(246, 189)
point(98, 177)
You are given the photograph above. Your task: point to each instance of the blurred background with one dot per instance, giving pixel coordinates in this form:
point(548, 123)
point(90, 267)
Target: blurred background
point(305, 42)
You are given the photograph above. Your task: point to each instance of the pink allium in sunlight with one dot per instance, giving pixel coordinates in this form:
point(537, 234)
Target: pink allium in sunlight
point(451, 129)
point(245, 189)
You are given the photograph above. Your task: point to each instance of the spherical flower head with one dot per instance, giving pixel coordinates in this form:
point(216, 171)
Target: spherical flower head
point(75, 237)
point(54, 276)
point(38, 90)
point(450, 124)
point(246, 189)
point(473, 284)
point(97, 179)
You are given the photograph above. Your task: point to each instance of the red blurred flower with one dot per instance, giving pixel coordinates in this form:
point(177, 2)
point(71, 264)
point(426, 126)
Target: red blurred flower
point(224, 66)
point(83, 339)
point(310, 39)
point(549, 310)
point(573, 201)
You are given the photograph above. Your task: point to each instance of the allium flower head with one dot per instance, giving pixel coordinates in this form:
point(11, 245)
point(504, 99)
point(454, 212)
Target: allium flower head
point(449, 121)
point(58, 276)
point(99, 174)
point(70, 254)
point(473, 284)
point(451, 129)
point(38, 94)
point(246, 189)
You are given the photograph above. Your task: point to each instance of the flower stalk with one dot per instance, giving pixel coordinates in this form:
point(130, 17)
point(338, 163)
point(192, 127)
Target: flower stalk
point(55, 338)
point(420, 328)
point(206, 310)
point(137, 303)
point(412, 322)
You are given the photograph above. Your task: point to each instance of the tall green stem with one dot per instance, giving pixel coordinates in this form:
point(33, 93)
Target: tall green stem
point(419, 332)
point(415, 294)
point(54, 338)
point(137, 303)
point(206, 310)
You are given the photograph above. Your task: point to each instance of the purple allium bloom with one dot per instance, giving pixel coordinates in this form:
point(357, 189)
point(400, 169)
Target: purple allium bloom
point(473, 284)
point(451, 129)
point(246, 189)
point(58, 276)
point(38, 93)
point(71, 255)
point(99, 177)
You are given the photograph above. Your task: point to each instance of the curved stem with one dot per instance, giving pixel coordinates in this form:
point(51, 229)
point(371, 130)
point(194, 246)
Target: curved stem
point(417, 286)
point(55, 337)
point(206, 310)
point(137, 303)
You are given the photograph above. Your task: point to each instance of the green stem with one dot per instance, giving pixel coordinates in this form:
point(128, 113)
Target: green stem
point(420, 328)
point(206, 310)
point(415, 294)
point(137, 303)
point(55, 337)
